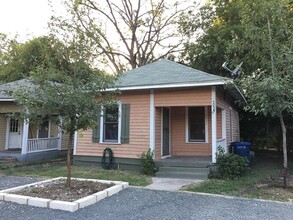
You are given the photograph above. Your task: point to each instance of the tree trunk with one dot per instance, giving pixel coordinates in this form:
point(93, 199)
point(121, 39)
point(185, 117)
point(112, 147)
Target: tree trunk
point(285, 161)
point(68, 163)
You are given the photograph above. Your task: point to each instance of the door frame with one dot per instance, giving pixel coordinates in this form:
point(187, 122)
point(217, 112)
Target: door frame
point(8, 134)
point(162, 133)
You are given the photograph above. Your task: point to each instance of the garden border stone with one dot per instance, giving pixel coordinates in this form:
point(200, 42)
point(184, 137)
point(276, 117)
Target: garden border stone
point(10, 195)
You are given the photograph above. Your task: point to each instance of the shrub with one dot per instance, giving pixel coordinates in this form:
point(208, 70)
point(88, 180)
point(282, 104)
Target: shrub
point(230, 166)
point(147, 163)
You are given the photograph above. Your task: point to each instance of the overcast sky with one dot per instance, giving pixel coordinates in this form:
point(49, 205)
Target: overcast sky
point(26, 17)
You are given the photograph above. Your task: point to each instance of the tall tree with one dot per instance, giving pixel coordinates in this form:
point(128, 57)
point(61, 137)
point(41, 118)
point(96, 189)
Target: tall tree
point(51, 92)
point(269, 88)
point(259, 33)
point(125, 33)
point(209, 32)
point(18, 60)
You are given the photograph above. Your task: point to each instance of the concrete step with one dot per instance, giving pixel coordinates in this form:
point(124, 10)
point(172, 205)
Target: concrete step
point(185, 169)
point(166, 163)
point(6, 159)
point(183, 175)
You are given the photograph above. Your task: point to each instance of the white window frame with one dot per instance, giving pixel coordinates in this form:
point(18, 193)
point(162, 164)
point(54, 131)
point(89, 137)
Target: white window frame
point(49, 131)
point(102, 125)
point(187, 126)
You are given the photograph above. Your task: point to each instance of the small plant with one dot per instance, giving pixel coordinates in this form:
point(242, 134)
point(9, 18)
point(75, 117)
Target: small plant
point(230, 166)
point(147, 163)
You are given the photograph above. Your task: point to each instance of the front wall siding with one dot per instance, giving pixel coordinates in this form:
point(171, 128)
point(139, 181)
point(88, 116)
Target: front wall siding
point(180, 147)
point(225, 102)
point(158, 134)
point(8, 107)
point(139, 130)
point(183, 97)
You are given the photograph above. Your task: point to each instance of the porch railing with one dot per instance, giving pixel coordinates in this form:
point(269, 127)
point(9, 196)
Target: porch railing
point(42, 144)
point(223, 143)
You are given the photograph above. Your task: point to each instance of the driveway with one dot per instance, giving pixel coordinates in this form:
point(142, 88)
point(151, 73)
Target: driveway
point(138, 203)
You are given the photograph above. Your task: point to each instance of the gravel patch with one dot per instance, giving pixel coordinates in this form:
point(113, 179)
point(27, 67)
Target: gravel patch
point(138, 203)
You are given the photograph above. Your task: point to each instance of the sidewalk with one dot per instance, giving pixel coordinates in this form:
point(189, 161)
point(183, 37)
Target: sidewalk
point(170, 184)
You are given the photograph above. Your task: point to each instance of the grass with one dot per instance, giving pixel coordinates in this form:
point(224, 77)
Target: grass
point(262, 181)
point(56, 169)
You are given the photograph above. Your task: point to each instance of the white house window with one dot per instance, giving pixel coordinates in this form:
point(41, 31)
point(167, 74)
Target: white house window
point(111, 120)
point(44, 130)
point(196, 124)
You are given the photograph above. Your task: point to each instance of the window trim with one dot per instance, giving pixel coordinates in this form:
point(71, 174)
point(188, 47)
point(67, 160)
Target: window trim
point(101, 141)
point(49, 131)
point(187, 126)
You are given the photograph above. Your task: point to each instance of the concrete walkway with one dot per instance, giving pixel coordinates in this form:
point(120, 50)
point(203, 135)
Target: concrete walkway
point(170, 184)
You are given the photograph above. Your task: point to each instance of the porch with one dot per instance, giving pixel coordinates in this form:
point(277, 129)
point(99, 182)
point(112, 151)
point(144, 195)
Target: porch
point(37, 149)
point(184, 167)
point(192, 122)
point(26, 141)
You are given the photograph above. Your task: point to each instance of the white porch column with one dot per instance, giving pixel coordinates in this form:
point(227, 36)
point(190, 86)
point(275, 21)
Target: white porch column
point(60, 134)
point(224, 135)
point(24, 137)
point(214, 124)
point(74, 143)
point(152, 120)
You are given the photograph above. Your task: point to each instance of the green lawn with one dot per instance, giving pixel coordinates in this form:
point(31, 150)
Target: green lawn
point(262, 181)
point(57, 169)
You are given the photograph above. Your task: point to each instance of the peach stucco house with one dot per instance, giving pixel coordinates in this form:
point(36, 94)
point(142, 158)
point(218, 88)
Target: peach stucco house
point(174, 110)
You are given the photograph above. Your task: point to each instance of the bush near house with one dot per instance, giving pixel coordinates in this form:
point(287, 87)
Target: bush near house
point(230, 166)
point(147, 163)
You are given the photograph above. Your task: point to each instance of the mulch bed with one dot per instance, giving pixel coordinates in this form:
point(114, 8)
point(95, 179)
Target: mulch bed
point(56, 190)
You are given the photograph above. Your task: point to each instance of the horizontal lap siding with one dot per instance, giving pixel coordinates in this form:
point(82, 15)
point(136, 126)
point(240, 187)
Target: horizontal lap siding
point(225, 102)
point(158, 134)
point(139, 130)
point(9, 107)
point(179, 147)
point(3, 125)
point(64, 141)
point(186, 97)
point(219, 123)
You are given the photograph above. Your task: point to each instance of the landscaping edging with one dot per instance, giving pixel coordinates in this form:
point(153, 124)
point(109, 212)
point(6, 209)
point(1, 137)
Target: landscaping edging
point(9, 196)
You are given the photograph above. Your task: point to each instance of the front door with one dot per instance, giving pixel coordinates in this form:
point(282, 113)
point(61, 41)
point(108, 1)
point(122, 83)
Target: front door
point(14, 141)
point(166, 132)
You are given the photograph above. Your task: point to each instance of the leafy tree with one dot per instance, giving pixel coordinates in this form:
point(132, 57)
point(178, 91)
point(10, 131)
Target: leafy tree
point(209, 32)
point(124, 33)
point(19, 60)
point(73, 97)
point(269, 88)
point(259, 33)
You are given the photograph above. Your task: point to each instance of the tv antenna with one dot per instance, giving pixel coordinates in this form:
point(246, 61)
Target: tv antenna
point(233, 72)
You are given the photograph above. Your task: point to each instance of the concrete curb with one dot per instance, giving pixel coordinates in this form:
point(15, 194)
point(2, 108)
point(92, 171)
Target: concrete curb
point(236, 197)
point(10, 195)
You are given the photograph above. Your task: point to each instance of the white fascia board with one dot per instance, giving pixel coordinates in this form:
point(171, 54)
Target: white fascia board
point(6, 100)
point(181, 85)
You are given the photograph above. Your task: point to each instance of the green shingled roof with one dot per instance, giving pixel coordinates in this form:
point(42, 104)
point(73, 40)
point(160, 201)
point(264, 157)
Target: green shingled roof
point(166, 72)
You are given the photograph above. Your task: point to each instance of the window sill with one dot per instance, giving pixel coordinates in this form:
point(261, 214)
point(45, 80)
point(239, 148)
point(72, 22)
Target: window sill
point(110, 143)
point(199, 142)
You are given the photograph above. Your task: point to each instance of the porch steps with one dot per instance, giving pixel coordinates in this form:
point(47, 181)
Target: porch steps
point(6, 159)
point(201, 173)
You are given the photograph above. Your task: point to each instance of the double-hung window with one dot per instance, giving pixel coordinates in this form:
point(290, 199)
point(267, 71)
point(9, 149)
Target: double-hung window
point(111, 123)
point(196, 124)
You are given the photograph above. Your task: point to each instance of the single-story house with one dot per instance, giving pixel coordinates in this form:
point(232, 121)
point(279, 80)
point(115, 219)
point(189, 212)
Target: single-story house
point(25, 141)
point(174, 110)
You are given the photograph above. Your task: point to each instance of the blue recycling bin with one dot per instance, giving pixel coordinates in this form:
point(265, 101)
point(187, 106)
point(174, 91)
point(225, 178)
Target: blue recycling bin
point(242, 149)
